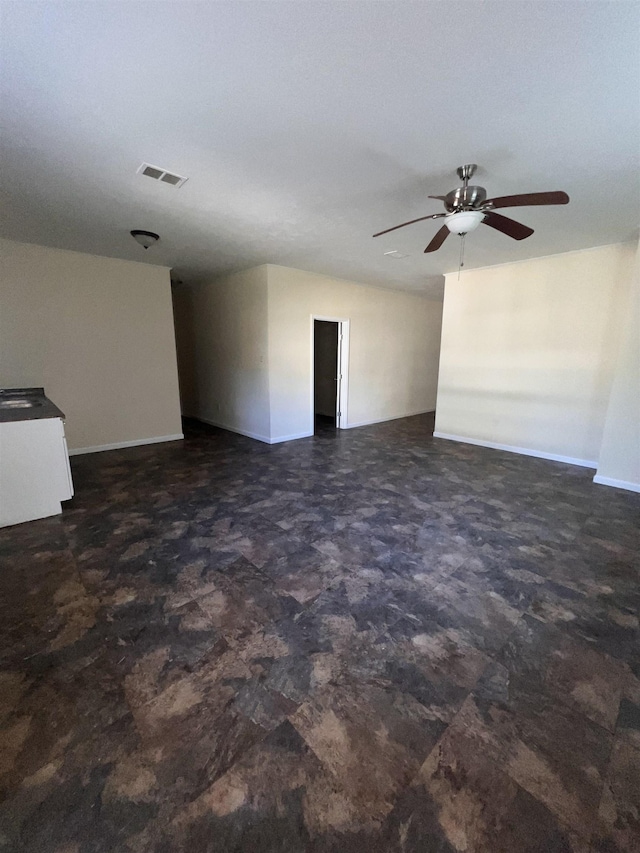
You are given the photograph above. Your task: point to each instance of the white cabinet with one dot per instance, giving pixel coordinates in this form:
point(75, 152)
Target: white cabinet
point(34, 470)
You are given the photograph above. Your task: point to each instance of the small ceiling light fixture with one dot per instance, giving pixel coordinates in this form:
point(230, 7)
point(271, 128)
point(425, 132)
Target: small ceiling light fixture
point(145, 238)
point(464, 221)
point(460, 223)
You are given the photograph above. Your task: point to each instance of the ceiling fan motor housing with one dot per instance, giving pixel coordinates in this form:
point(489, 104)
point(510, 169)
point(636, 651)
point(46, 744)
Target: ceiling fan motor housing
point(465, 198)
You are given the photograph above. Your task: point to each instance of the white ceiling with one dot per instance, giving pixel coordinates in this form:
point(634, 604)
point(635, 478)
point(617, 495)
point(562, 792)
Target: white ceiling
point(306, 126)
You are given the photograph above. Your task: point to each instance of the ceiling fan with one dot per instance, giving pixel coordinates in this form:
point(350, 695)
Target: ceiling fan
point(468, 206)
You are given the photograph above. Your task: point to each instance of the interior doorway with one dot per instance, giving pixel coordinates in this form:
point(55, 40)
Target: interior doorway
point(329, 342)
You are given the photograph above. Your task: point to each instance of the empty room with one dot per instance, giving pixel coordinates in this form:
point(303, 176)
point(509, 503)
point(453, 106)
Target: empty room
point(320, 426)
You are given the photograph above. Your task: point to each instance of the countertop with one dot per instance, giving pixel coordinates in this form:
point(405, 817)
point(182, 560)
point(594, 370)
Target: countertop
point(41, 407)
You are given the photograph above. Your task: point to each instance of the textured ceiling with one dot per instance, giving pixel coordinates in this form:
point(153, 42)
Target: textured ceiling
point(304, 127)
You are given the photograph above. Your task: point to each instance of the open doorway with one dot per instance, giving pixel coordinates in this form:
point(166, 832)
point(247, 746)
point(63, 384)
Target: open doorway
point(329, 374)
point(325, 375)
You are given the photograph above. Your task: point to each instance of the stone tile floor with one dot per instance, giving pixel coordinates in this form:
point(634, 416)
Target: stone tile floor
point(362, 641)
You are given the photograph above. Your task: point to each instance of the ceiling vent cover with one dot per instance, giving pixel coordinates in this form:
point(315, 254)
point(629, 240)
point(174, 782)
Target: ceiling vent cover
point(159, 174)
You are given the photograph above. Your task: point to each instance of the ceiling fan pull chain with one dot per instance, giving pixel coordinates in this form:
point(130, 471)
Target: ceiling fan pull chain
point(461, 263)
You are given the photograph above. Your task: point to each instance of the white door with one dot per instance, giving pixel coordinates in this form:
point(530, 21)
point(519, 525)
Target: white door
point(339, 378)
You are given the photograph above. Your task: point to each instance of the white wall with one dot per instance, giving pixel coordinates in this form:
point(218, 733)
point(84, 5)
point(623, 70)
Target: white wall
point(393, 358)
point(229, 328)
point(97, 334)
point(619, 463)
point(529, 352)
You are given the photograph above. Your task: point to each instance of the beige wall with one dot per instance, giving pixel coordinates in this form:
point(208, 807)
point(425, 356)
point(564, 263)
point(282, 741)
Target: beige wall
point(393, 357)
point(251, 335)
point(619, 462)
point(529, 351)
point(230, 387)
point(97, 333)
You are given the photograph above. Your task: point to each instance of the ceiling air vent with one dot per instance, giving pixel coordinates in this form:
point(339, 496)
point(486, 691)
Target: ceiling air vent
point(159, 174)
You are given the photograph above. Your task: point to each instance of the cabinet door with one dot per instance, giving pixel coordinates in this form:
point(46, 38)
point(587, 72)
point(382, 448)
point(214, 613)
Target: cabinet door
point(64, 468)
point(34, 470)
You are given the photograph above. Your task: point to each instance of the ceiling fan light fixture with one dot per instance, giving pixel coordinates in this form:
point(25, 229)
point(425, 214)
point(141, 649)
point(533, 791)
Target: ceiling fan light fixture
point(469, 206)
point(145, 238)
point(464, 221)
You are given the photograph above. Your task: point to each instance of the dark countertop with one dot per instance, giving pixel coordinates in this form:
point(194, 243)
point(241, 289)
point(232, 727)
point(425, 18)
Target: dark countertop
point(42, 406)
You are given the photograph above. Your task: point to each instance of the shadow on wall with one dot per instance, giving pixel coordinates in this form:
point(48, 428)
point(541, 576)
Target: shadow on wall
point(183, 320)
point(537, 416)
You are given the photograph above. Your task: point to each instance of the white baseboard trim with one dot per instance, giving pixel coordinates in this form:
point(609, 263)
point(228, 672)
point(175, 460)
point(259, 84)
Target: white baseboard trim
point(524, 451)
point(617, 484)
point(265, 439)
point(220, 425)
point(119, 445)
point(293, 437)
point(391, 418)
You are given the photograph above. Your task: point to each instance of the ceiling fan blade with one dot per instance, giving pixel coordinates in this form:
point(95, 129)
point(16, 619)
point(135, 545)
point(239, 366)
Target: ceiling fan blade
point(410, 222)
point(508, 226)
point(441, 197)
point(438, 240)
point(526, 199)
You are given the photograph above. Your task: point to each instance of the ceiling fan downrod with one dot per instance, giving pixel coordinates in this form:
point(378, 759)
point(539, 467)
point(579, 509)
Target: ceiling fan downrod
point(467, 172)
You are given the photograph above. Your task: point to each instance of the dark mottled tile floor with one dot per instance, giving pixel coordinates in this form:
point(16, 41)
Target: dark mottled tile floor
point(363, 641)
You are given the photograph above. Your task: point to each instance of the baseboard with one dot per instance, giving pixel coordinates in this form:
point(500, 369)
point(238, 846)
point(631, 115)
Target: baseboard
point(292, 437)
point(265, 439)
point(119, 445)
point(384, 420)
point(617, 484)
point(524, 451)
point(220, 425)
